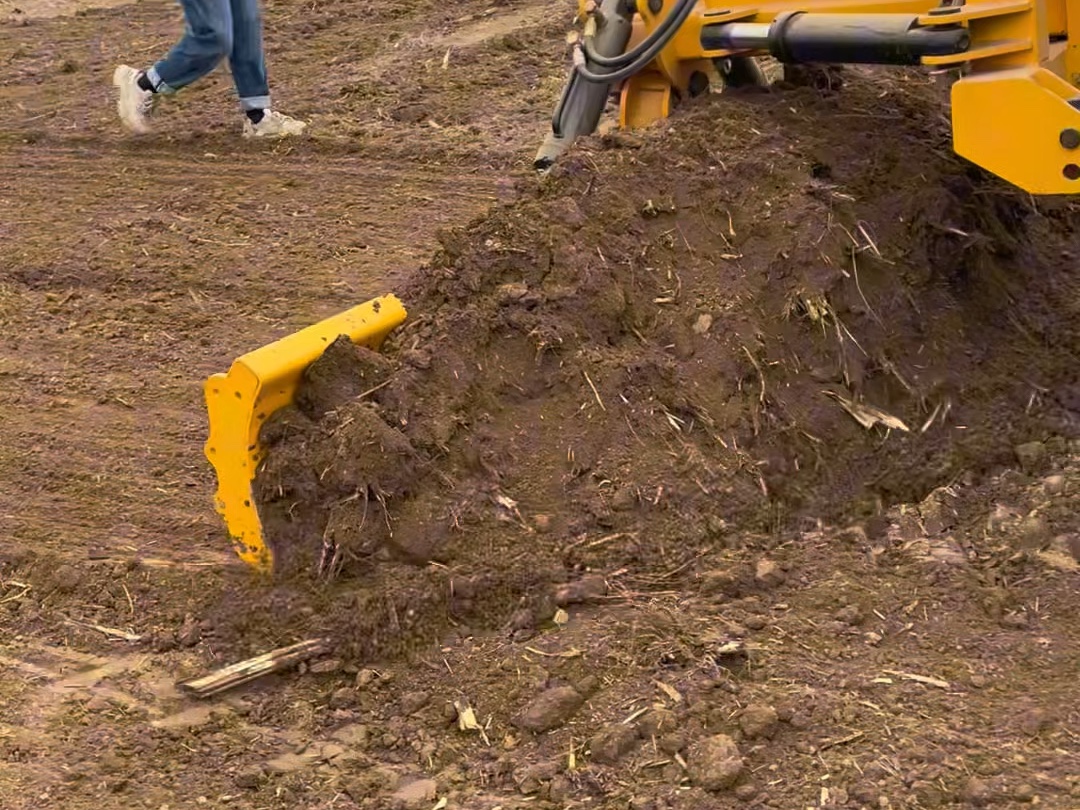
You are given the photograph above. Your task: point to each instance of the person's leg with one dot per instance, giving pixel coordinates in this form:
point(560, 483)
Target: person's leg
point(246, 59)
point(207, 39)
point(248, 64)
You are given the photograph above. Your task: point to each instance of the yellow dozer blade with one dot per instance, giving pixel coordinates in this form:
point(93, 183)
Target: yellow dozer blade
point(258, 384)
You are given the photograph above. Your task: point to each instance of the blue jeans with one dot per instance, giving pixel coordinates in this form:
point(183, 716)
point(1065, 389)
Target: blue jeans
point(216, 30)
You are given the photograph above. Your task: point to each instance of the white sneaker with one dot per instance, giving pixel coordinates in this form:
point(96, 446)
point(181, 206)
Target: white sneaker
point(273, 125)
point(135, 104)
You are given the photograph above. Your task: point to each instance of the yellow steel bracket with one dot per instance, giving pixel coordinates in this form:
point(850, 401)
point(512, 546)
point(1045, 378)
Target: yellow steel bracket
point(1020, 124)
point(258, 384)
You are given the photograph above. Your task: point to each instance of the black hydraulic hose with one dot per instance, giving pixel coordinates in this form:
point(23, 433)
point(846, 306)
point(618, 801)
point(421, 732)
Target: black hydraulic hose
point(659, 32)
point(625, 72)
point(556, 118)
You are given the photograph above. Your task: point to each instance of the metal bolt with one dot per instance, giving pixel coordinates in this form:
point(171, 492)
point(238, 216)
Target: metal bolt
point(1069, 138)
point(1071, 171)
point(655, 6)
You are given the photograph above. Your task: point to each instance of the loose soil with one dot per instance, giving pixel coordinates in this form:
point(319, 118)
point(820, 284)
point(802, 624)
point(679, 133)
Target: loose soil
point(600, 527)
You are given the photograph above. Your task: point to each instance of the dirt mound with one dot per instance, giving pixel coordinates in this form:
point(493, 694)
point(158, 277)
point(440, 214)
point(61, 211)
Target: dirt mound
point(783, 309)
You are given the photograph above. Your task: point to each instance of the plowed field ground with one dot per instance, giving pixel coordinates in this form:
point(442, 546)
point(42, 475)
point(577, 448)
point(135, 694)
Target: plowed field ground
point(644, 540)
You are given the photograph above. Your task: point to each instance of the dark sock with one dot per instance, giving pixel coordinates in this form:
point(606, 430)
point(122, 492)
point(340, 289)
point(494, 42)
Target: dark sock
point(255, 116)
point(144, 82)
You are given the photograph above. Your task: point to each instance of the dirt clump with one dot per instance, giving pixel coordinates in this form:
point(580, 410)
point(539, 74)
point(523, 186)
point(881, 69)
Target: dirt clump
point(344, 372)
point(715, 762)
point(722, 328)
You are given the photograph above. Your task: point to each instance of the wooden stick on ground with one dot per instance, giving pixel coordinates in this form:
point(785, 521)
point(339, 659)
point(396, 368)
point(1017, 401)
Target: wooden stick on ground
point(247, 671)
point(109, 631)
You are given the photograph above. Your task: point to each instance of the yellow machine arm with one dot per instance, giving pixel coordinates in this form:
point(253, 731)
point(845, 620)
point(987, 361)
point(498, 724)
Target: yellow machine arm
point(1015, 110)
point(259, 384)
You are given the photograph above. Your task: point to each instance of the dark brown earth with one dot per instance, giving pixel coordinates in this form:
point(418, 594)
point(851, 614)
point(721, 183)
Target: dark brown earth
point(610, 535)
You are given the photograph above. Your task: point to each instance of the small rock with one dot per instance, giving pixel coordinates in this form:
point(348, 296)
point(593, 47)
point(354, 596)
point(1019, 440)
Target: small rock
point(715, 763)
point(758, 720)
point(999, 518)
point(612, 743)
point(522, 619)
point(672, 772)
point(703, 323)
point(978, 792)
point(746, 792)
point(342, 697)
point(720, 582)
point(1031, 456)
point(800, 720)
point(550, 709)
point(851, 615)
point(623, 499)
point(735, 630)
point(97, 704)
point(1024, 793)
point(657, 722)
point(66, 578)
point(250, 779)
point(530, 779)
point(1072, 542)
point(1033, 721)
point(978, 681)
point(353, 735)
point(1033, 532)
point(587, 685)
point(672, 743)
point(1014, 621)
point(325, 667)
point(164, 642)
point(864, 794)
point(559, 790)
point(1063, 552)
point(756, 622)
point(566, 211)
point(190, 633)
point(586, 589)
point(366, 677)
point(420, 793)
point(412, 702)
point(768, 574)
point(1054, 484)
point(508, 293)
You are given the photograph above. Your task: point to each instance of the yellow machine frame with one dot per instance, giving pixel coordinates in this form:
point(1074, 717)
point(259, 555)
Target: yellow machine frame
point(1014, 107)
point(259, 384)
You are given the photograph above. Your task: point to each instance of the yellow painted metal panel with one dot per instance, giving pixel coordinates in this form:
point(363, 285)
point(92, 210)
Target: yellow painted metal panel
point(256, 386)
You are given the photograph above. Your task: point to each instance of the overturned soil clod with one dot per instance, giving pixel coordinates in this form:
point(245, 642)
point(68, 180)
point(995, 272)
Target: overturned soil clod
point(729, 331)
